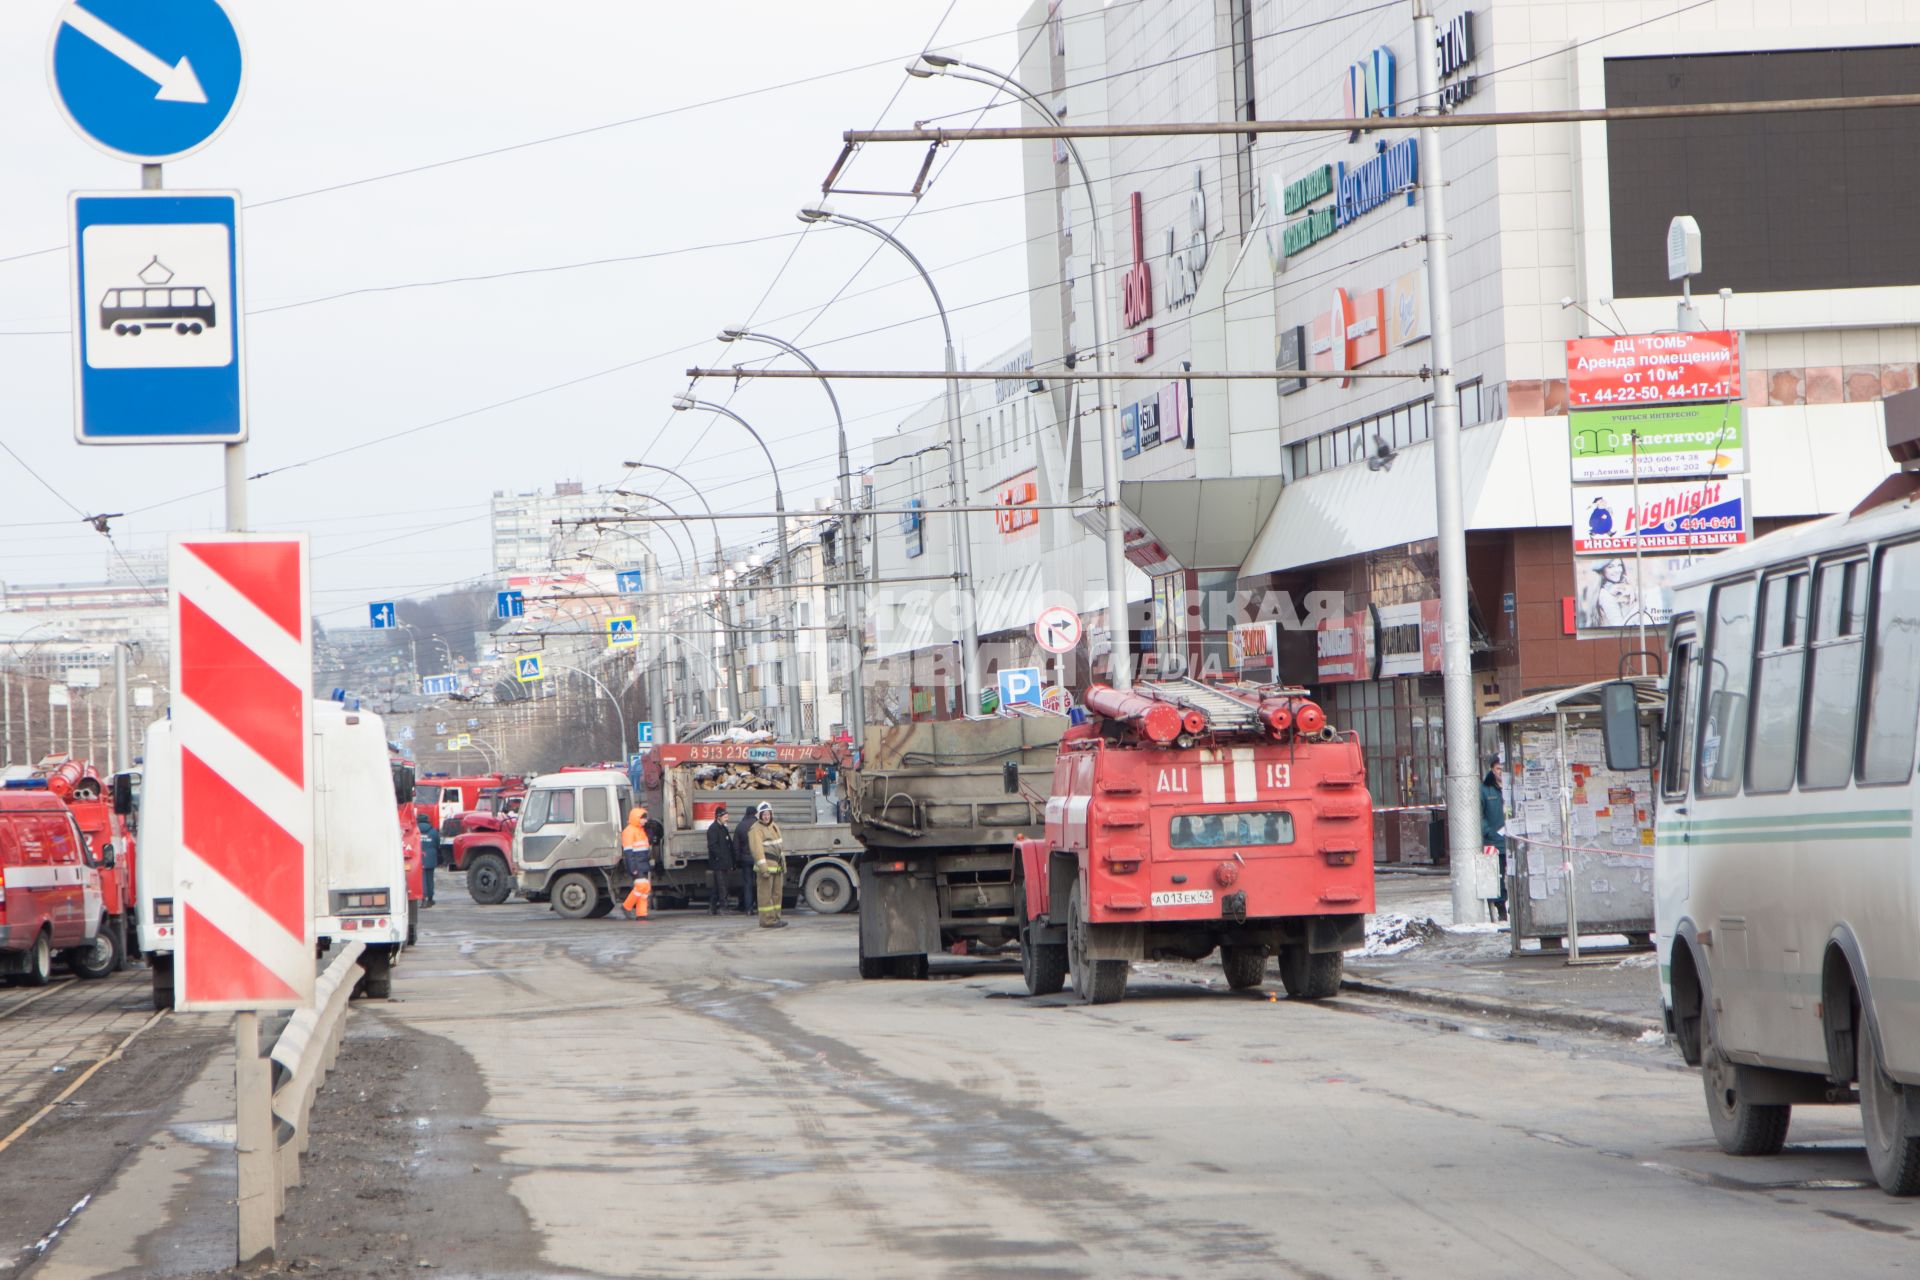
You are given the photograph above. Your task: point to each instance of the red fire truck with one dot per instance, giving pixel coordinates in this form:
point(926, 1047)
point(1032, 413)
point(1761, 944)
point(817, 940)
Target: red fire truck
point(444, 798)
point(105, 816)
point(50, 898)
point(1189, 816)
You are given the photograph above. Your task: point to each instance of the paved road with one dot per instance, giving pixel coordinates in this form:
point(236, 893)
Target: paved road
point(693, 1097)
point(756, 1110)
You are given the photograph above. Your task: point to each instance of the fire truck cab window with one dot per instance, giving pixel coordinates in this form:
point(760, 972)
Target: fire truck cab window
point(1231, 830)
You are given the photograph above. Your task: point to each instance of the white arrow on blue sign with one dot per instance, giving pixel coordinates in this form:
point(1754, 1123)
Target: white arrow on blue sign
point(158, 348)
point(146, 80)
point(431, 685)
point(629, 582)
point(509, 604)
point(380, 615)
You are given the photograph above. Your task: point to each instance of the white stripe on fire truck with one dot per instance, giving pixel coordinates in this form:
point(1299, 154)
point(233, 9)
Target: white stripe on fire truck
point(1244, 787)
point(41, 877)
point(1213, 783)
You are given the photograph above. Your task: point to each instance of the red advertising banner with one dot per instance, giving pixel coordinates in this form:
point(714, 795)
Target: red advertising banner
point(1653, 368)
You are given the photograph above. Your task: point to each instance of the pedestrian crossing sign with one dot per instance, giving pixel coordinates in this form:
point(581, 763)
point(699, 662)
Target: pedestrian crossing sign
point(528, 668)
point(623, 633)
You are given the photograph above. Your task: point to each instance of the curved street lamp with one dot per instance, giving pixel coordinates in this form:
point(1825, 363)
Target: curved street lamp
point(969, 629)
point(855, 708)
point(1119, 657)
point(791, 695)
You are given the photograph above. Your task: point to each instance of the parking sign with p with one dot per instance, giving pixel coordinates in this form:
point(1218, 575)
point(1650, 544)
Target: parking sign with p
point(1020, 685)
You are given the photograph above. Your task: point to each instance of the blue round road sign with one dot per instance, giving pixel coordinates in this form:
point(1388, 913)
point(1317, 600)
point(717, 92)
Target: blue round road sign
point(146, 80)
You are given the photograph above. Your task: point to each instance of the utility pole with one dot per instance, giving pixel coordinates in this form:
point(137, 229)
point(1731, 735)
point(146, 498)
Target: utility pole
point(1460, 725)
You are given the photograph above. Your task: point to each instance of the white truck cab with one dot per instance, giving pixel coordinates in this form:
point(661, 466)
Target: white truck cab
point(567, 844)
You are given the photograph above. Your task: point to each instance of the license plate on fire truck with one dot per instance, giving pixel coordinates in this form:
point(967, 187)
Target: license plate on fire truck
point(1183, 898)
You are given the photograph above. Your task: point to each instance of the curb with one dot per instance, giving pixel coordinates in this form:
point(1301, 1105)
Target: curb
point(1570, 1019)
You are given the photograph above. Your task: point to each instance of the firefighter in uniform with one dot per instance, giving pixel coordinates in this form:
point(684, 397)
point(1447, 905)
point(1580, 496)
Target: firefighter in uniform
point(768, 848)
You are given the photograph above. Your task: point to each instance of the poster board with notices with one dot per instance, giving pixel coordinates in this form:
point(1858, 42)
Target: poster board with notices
point(1577, 813)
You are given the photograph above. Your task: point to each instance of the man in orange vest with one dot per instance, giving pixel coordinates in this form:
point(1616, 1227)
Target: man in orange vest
point(636, 851)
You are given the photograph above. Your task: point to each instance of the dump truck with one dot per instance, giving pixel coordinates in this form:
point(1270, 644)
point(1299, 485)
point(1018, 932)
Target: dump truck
point(938, 808)
point(1186, 817)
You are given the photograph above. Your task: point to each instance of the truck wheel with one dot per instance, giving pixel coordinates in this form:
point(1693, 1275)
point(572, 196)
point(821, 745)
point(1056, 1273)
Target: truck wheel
point(487, 880)
point(873, 968)
point(1890, 1116)
point(1245, 966)
point(1742, 1128)
point(574, 896)
point(1310, 975)
point(601, 909)
point(828, 890)
point(39, 970)
point(1094, 981)
point(1042, 964)
point(97, 959)
point(912, 968)
point(162, 965)
point(376, 974)
point(413, 923)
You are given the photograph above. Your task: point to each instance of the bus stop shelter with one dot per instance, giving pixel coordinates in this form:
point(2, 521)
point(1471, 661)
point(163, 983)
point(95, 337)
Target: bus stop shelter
point(1579, 835)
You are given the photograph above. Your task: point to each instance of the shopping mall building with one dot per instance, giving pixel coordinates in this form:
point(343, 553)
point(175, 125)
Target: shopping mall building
point(1267, 542)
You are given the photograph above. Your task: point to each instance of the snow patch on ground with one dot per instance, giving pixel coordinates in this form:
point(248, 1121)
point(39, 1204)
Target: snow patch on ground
point(1390, 933)
point(1653, 1036)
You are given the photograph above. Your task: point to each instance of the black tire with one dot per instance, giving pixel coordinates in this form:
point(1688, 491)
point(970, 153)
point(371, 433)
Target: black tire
point(1094, 981)
point(376, 975)
point(183, 329)
point(413, 922)
point(1310, 975)
point(912, 968)
point(874, 968)
point(162, 966)
point(487, 880)
point(39, 968)
point(827, 890)
point(1245, 966)
point(124, 929)
point(1042, 964)
point(99, 958)
point(601, 909)
point(1741, 1128)
point(1890, 1120)
point(574, 895)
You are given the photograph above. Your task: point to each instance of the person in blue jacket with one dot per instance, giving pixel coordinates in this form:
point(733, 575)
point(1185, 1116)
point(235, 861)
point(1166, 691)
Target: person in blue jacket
point(429, 856)
point(1493, 830)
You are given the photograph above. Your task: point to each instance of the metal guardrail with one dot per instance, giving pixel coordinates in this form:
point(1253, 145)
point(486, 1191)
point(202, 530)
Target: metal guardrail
point(276, 1090)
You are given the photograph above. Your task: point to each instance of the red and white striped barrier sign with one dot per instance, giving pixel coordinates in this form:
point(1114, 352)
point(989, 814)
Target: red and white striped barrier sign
point(242, 699)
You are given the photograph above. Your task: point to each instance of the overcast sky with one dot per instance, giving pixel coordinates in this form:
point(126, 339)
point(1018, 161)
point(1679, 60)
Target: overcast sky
point(350, 91)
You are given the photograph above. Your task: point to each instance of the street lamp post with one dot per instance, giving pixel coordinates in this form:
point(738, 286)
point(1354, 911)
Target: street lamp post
point(855, 702)
point(619, 717)
point(791, 695)
point(969, 628)
point(736, 704)
point(1119, 656)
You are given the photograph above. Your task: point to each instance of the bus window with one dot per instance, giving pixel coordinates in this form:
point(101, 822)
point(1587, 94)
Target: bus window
point(1777, 682)
point(1893, 701)
point(1727, 682)
point(1675, 761)
point(1833, 695)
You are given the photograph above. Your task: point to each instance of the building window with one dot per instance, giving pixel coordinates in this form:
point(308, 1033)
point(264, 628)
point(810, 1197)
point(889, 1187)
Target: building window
point(1403, 425)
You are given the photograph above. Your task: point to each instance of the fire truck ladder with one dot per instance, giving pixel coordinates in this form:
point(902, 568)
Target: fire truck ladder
point(1225, 713)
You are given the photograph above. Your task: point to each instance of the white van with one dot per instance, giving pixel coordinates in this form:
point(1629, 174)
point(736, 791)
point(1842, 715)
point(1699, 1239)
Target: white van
point(567, 845)
point(359, 869)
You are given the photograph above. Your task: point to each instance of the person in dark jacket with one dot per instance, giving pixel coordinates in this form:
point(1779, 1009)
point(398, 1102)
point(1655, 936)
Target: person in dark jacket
point(743, 859)
point(429, 855)
point(1493, 830)
point(719, 861)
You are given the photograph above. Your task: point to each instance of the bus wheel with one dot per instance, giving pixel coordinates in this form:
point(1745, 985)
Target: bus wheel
point(182, 328)
point(1742, 1128)
point(120, 330)
point(133, 330)
point(1890, 1116)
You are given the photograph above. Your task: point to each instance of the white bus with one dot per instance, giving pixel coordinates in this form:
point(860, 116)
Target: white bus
point(1787, 879)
